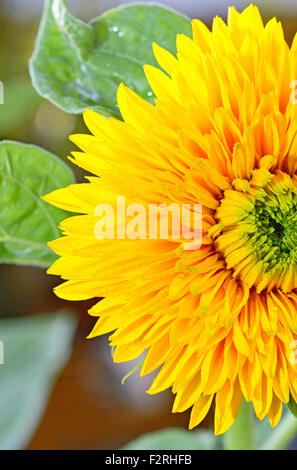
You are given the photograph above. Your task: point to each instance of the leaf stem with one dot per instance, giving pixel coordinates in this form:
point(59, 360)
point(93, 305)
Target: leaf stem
point(282, 435)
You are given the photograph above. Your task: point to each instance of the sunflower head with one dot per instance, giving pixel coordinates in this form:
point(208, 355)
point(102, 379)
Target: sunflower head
point(222, 133)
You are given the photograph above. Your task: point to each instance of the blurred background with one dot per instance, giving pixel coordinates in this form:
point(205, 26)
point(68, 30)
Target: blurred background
point(88, 408)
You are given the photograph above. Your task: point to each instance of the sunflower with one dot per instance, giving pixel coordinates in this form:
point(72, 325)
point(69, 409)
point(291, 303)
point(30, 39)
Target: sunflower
point(220, 321)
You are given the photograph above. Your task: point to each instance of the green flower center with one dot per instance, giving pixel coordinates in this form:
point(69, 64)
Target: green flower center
point(275, 239)
point(257, 227)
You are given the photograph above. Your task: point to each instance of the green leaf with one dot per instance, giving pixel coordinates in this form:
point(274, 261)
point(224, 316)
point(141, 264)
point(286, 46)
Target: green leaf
point(292, 405)
point(35, 350)
point(20, 100)
point(175, 439)
point(27, 223)
point(77, 65)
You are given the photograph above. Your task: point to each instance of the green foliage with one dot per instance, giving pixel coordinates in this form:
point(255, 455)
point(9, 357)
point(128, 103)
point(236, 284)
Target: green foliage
point(175, 439)
point(278, 438)
point(240, 436)
point(35, 350)
point(26, 221)
point(292, 405)
point(20, 101)
point(77, 65)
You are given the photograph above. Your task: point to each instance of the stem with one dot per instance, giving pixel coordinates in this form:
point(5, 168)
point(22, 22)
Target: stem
point(282, 435)
point(241, 434)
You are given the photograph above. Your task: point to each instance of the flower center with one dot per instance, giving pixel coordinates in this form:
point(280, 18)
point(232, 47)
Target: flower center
point(257, 230)
point(276, 238)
